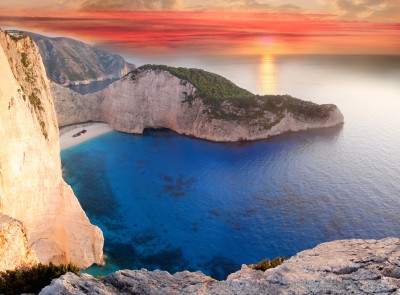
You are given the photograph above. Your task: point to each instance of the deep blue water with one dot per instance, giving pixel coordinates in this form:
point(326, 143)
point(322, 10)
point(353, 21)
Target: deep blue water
point(170, 202)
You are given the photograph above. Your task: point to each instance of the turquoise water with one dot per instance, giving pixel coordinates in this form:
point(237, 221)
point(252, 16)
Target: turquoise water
point(170, 202)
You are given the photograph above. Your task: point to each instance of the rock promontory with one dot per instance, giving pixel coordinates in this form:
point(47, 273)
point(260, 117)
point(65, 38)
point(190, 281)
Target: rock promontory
point(338, 267)
point(191, 102)
point(40, 207)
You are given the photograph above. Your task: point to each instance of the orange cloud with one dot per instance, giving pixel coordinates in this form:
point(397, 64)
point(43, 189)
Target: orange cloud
point(220, 32)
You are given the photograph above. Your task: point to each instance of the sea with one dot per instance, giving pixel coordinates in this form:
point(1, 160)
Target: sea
point(170, 202)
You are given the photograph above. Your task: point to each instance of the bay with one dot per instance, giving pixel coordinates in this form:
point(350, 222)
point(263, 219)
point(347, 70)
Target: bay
point(170, 202)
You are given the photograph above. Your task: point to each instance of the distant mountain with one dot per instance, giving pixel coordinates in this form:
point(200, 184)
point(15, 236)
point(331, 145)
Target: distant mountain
point(71, 62)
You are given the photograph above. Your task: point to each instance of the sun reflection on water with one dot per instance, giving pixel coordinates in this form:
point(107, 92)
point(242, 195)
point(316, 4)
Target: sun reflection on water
point(267, 82)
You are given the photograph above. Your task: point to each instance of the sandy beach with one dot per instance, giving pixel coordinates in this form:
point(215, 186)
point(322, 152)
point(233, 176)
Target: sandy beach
point(78, 133)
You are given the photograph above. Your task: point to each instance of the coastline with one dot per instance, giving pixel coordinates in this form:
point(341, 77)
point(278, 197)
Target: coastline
point(86, 131)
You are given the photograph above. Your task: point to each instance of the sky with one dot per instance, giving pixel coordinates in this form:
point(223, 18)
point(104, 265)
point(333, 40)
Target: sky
point(236, 27)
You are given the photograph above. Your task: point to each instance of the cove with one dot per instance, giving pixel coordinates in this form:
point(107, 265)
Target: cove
point(166, 201)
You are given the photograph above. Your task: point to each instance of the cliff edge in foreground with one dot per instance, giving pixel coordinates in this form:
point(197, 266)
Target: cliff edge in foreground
point(191, 102)
point(339, 267)
point(32, 189)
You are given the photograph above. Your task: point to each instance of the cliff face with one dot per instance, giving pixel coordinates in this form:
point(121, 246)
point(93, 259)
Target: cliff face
point(31, 186)
point(154, 98)
point(71, 62)
point(339, 267)
point(72, 107)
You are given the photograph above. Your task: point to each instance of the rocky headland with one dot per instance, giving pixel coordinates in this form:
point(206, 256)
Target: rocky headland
point(72, 62)
point(339, 267)
point(191, 102)
point(41, 219)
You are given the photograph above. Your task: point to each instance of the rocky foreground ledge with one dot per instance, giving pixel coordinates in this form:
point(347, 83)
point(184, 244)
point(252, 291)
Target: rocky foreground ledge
point(339, 267)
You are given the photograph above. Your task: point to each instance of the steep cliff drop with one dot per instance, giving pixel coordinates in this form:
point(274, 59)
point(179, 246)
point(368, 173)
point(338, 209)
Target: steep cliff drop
point(32, 190)
point(191, 102)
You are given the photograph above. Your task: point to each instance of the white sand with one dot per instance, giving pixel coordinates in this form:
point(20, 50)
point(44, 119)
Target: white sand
point(92, 130)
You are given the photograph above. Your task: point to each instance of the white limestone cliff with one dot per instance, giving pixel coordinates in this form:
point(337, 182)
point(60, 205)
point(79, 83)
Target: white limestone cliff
point(32, 189)
point(157, 99)
point(338, 267)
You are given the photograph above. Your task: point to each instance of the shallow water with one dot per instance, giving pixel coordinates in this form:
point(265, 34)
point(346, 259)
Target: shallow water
point(171, 202)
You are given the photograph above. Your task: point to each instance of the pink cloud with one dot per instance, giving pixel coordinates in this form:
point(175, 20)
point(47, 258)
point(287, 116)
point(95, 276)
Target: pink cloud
point(233, 32)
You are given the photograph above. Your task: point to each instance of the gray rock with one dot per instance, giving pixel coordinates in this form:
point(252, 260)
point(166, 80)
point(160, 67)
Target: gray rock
point(339, 267)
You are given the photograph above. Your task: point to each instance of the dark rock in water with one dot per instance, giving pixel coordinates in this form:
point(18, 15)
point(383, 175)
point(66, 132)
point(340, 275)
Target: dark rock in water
point(339, 267)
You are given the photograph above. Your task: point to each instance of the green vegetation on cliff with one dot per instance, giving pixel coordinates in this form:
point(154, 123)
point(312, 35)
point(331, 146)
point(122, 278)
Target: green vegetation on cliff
point(227, 101)
point(211, 86)
point(32, 280)
point(267, 264)
point(35, 101)
point(24, 59)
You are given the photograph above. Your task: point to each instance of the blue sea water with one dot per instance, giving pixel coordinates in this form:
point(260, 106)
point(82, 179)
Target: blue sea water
point(92, 87)
point(165, 201)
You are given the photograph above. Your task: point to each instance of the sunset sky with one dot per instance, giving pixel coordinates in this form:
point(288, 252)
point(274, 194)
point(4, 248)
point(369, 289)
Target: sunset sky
point(245, 27)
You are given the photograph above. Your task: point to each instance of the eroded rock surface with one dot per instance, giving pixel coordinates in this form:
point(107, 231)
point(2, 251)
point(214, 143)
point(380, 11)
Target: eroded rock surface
point(14, 249)
point(339, 267)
